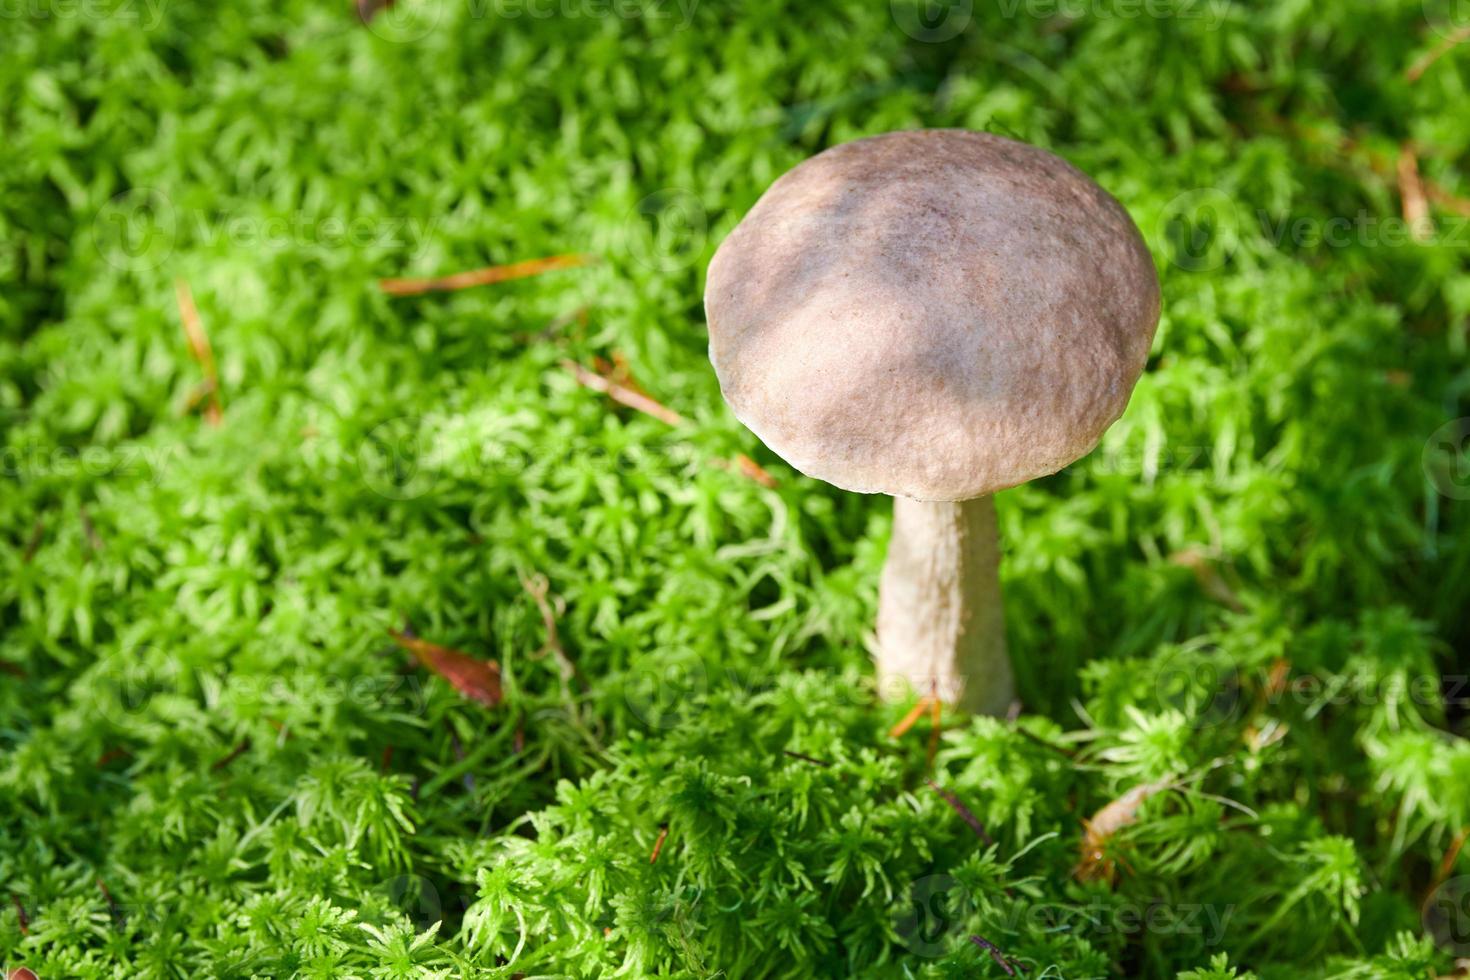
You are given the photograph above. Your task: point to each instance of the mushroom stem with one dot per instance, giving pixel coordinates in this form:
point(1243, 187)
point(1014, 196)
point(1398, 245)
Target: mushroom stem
point(941, 626)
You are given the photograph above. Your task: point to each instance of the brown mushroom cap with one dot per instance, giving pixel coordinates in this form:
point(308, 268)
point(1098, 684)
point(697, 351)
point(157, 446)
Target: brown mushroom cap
point(937, 314)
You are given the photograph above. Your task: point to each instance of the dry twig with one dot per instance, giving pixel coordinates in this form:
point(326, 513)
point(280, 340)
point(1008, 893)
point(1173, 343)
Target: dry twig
point(965, 814)
point(1419, 67)
point(549, 332)
point(934, 727)
point(1412, 194)
point(623, 395)
point(995, 954)
point(94, 540)
point(118, 918)
point(539, 587)
point(483, 277)
point(1446, 865)
point(38, 534)
point(908, 720)
point(235, 753)
point(202, 352)
point(658, 845)
point(615, 379)
point(753, 470)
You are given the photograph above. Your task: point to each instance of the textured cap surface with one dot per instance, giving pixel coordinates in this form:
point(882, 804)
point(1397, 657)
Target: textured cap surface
point(936, 314)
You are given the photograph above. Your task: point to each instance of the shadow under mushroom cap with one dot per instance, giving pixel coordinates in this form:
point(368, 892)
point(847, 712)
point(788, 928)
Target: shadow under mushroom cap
point(936, 314)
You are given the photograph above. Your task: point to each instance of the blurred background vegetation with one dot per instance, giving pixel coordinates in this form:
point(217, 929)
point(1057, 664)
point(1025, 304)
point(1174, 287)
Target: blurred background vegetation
point(232, 464)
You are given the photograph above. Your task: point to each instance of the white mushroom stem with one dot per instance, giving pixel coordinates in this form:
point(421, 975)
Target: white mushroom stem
point(941, 626)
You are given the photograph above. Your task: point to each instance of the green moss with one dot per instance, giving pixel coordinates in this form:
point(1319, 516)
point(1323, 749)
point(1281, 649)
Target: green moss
point(213, 760)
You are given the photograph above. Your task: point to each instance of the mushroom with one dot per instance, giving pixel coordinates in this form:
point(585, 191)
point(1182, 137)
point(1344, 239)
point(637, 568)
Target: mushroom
point(934, 315)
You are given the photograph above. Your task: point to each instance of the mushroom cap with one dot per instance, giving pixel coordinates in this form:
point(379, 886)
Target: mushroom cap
point(937, 314)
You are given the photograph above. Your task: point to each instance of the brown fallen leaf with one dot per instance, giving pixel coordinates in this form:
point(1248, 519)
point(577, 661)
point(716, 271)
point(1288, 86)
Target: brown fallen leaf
point(200, 349)
point(483, 277)
point(478, 680)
